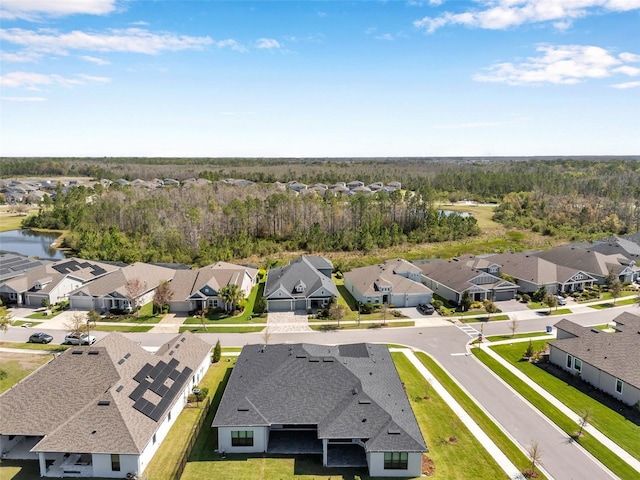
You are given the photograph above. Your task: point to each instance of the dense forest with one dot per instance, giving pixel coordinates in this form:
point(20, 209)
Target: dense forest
point(201, 225)
point(570, 198)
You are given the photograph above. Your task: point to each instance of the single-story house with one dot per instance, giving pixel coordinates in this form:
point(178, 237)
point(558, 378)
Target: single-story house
point(302, 285)
point(345, 402)
point(450, 279)
point(608, 361)
point(596, 264)
point(198, 289)
point(52, 282)
point(110, 291)
point(395, 282)
point(532, 272)
point(101, 411)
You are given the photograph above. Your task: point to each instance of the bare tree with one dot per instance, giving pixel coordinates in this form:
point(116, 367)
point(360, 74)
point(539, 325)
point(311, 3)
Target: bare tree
point(514, 326)
point(162, 295)
point(266, 336)
point(583, 421)
point(535, 454)
point(133, 289)
point(77, 323)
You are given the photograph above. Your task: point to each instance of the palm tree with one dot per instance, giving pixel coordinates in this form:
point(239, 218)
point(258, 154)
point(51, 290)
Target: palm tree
point(5, 318)
point(231, 295)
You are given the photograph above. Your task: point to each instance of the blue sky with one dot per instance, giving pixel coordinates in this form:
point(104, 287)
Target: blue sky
point(319, 79)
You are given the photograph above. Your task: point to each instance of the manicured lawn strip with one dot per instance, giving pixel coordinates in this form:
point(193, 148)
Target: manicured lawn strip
point(213, 329)
point(354, 326)
point(504, 443)
point(493, 318)
point(243, 318)
point(35, 346)
point(122, 328)
point(17, 366)
point(619, 302)
point(164, 463)
point(595, 448)
point(231, 349)
point(622, 431)
point(43, 316)
point(499, 338)
point(19, 323)
point(463, 459)
point(145, 315)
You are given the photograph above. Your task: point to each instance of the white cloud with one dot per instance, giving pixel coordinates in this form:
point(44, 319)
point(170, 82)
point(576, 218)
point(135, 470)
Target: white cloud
point(629, 57)
point(267, 43)
point(560, 64)
point(34, 81)
point(140, 23)
point(20, 57)
point(23, 99)
point(36, 9)
point(133, 40)
point(230, 43)
point(503, 14)
point(96, 60)
point(626, 85)
point(385, 36)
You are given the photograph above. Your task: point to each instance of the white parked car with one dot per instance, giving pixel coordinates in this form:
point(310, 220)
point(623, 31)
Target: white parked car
point(562, 300)
point(79, 339)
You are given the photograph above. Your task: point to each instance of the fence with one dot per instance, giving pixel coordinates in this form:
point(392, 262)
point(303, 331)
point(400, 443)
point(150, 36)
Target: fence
point(192, 440)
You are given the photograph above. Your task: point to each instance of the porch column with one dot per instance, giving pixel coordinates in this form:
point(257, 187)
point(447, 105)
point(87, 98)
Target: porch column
point(324, 452)
point(43, 464)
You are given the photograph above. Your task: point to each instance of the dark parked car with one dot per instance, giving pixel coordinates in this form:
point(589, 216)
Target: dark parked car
point(426, 309)
point(40, 337)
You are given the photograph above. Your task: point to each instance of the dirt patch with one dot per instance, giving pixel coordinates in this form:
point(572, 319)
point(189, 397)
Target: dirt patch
point(428, 466)
point(26, 361)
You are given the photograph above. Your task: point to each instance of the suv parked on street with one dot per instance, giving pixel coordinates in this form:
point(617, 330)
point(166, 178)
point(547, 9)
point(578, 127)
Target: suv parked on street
point(79, 339)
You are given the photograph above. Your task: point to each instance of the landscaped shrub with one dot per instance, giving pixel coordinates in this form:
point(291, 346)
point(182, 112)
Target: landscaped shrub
point(437, 304)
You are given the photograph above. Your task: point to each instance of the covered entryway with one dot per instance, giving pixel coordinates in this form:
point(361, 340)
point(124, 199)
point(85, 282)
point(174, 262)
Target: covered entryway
point(340, 454)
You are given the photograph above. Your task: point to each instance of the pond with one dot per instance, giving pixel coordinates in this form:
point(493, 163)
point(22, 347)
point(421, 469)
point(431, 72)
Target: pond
point(33, 244)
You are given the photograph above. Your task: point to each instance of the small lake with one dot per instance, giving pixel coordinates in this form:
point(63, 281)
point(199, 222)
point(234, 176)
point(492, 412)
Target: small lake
point(33, 244)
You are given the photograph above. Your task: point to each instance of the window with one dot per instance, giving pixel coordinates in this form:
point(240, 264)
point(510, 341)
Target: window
point(396, 460)
point(619, 384)
point(115, 462)
point(569, 361)
point(577, 364)
point(242, 438)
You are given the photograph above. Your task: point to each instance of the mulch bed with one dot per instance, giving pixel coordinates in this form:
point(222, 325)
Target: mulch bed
point(428, 467)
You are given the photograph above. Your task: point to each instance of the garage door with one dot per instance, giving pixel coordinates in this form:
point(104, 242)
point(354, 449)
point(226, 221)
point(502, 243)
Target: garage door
point(301, 304)
point(505, 295)
point(81, 303)
point(279, 305)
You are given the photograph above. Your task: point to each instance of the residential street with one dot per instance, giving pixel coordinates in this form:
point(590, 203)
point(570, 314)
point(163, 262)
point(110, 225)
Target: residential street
point(561, 457)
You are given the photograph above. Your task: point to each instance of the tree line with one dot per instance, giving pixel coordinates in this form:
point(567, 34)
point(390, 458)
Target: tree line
point(201, 225)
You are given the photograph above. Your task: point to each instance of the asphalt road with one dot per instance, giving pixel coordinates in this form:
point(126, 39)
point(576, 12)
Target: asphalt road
point(562, 458)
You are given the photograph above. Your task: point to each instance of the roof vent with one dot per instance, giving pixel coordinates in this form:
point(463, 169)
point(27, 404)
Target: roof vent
point(393, 431)
point(364, 401)
point(104, 403)
point(121, 361)
point(243, 409)
point(93, 352)
point(327, 360)
point(76, 352)
point(127, 355)
point(171, 352)
point(119, 389)
point(300, 355)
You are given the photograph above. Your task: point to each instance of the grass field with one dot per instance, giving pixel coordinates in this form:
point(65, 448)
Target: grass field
point(35, 346)
point(499, 338)
point(595, 448)
point(214, 329)
point(17, 366)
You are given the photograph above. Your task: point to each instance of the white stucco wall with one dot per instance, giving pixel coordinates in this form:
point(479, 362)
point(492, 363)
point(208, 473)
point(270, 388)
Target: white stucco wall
point(260, 439)
point(102, 465)
point(376, 466)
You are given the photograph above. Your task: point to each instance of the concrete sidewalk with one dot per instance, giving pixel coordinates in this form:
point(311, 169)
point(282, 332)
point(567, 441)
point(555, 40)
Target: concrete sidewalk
point(614, 447)
point(501, 459)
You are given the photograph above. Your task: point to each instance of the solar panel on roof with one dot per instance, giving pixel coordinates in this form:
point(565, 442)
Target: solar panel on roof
point(143, 373)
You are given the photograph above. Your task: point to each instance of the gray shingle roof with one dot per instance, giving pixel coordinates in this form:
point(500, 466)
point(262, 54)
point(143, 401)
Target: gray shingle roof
point(457, 275)
point(532, 268)
point(63, 396)
point(616, 354)
point(588, 261)
point(301, 269)
point(351, 391)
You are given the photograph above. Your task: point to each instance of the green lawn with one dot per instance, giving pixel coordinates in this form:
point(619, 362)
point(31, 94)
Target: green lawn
point(214, 329)
point(35, 346)
point(246, 317)
point(145, 315)
point(19, 323)
point(473, 319)
point(622, 431)
point(595, 448)
point(122, 328)
point(43, 315)
point(503, 442)
point(17, 366)
point(354, 326)
point(499, 338)
point(619, 302)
